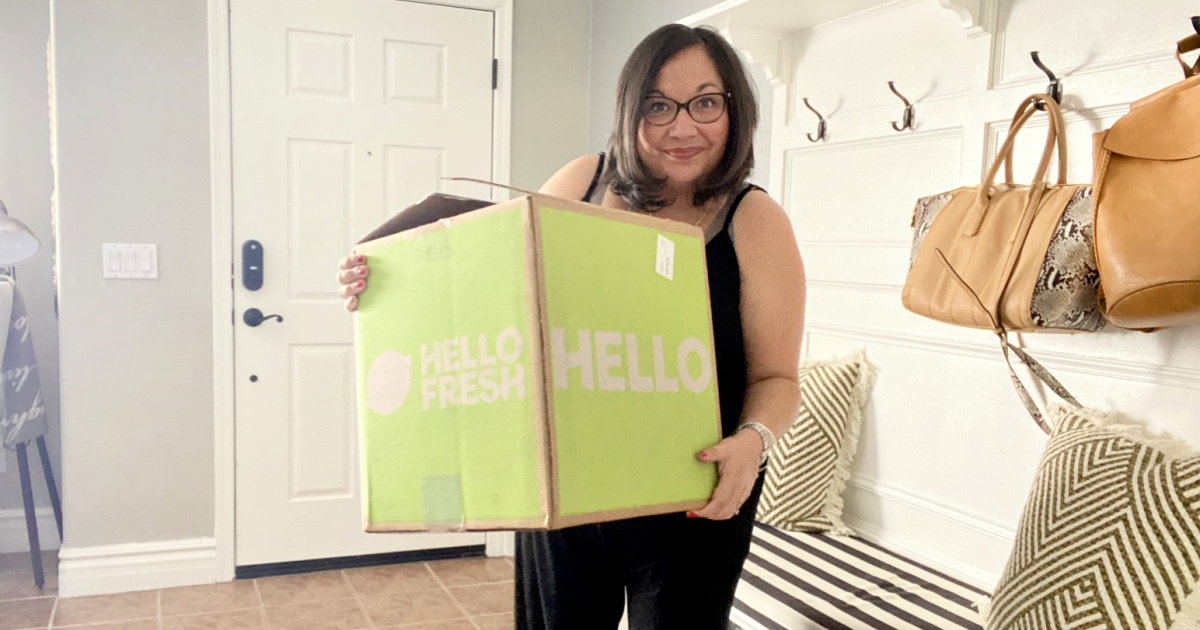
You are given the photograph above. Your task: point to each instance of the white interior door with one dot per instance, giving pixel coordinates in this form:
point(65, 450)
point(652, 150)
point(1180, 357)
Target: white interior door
point(343, 114)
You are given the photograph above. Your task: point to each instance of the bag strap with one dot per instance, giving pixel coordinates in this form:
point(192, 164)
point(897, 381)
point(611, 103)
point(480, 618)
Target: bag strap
point(1188, 44)
point(1054, 136)
point(1006, 347)
point(1062, 154)
point(1017, 241)
point(1041, 373)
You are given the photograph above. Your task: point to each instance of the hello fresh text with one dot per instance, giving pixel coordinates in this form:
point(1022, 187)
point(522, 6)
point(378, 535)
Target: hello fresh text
point(456, 372)
point(597, 355)
point(464, 371)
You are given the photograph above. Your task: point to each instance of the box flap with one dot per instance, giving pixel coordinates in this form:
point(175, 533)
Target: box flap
point(433, 208)
point(1164, 128)
point(644, 219)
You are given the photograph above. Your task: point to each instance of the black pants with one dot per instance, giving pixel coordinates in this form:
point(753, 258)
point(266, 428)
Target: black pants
point(679, 573)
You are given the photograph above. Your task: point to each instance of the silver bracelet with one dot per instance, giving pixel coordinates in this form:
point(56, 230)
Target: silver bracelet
point(768, 438)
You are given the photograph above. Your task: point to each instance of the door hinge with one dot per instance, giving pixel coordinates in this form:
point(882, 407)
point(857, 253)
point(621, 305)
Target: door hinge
point(495, 73)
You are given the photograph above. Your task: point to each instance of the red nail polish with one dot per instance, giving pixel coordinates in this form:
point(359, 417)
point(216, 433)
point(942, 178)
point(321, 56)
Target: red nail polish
point(360, 284)
point(692, 515)
point(360, 259)
point(360, 270)
point(703, 454)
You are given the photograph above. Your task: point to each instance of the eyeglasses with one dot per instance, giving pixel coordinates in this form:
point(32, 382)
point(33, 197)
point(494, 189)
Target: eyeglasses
point(703, 108)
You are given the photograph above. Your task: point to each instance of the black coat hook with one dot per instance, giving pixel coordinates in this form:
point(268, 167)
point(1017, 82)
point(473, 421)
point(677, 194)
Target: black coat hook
point(1054, 90)
point(909, 112)
point(821, 128)
point(1186, 45)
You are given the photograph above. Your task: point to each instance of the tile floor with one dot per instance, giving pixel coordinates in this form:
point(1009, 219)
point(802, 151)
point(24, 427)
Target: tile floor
point(470, 594)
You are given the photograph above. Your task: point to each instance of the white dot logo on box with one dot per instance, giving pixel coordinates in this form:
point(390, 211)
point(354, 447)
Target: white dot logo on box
point(388, 382)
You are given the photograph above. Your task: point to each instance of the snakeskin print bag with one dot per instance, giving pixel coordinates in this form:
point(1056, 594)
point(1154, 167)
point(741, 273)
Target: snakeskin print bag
point(1008, 257)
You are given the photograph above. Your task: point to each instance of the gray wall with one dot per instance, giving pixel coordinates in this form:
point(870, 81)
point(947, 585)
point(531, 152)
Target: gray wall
point(137, 408)
point(617, 27)
point(132, 83)
point(26, 182)
point(551, 46)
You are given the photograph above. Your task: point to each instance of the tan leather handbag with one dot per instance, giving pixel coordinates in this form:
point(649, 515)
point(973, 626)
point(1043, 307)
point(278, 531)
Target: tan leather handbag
point(1008, 257)
point(1147, 181)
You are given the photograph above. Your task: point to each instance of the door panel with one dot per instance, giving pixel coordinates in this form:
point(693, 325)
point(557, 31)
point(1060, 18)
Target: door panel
point(344, 113)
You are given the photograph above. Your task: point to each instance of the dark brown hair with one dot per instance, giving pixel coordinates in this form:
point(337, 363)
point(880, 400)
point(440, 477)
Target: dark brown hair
point(632, 180)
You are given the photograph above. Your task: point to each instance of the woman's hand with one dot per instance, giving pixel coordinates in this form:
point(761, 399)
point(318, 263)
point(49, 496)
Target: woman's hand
point(352, 278)
point(737, 458)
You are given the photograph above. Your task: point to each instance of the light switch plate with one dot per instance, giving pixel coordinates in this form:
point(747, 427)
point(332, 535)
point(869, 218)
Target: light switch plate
point(138, 262)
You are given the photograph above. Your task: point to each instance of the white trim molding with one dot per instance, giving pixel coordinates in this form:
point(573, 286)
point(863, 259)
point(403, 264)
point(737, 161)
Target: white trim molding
point(971, 530)
point(854, 285)
point(771, 50)
point(948, 565)
point(985, 348)
point(224, 558)
point(220, 119)
point(971, 13)
point(124, 568)
point(502, 97)
point(944, 511)
point(501, 544)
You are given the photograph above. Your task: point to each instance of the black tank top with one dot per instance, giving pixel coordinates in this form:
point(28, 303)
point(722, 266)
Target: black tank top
point(724, 296)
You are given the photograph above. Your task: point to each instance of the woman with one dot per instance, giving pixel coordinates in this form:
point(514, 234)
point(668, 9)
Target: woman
point(681, 149)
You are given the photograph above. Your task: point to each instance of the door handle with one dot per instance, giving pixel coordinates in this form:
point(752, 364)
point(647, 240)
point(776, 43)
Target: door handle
point(253, 317)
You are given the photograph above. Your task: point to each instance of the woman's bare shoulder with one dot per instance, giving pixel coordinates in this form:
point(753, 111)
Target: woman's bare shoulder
point(763, 232)
point(760, 216)
point(573, 179)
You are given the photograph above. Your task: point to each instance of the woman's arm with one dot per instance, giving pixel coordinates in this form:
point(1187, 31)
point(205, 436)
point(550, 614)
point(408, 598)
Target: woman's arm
point(772, 307)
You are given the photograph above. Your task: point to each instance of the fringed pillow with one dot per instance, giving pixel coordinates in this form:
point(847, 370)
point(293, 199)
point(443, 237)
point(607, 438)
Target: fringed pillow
point(809, 466)
point(1110, 535)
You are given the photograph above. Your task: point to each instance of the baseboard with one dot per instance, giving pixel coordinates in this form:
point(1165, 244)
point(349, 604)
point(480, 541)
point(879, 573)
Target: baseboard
point(961, 544)
point(501, 544)
point(354, 562)
point(136, 567)
point(15, 539)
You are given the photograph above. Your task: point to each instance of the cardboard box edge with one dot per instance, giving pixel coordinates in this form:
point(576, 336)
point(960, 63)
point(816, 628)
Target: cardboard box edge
point(571, 520)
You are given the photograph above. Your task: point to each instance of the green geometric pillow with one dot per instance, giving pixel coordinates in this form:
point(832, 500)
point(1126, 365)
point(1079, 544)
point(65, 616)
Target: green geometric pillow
point(1110, 535)
point(809, 466)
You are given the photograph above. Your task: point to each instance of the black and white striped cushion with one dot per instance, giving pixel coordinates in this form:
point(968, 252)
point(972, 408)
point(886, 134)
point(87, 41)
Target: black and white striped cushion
point(808, 581)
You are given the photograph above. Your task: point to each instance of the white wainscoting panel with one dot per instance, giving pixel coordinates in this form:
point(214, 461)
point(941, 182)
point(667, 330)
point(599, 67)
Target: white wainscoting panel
point(947, 452)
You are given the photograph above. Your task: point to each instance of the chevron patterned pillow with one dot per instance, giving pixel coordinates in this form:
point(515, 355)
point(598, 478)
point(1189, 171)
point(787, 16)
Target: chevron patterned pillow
point(810, 464)
point(1110, 535)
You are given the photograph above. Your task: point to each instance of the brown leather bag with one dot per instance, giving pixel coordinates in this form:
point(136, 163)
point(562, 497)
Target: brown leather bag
point(1147, 182)
point(1008, 257)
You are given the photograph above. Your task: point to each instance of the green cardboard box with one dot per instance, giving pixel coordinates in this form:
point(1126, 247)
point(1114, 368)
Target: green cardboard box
point(534, 364)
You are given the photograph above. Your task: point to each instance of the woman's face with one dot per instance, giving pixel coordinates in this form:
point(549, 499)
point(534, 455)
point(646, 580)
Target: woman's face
point(684, 151)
